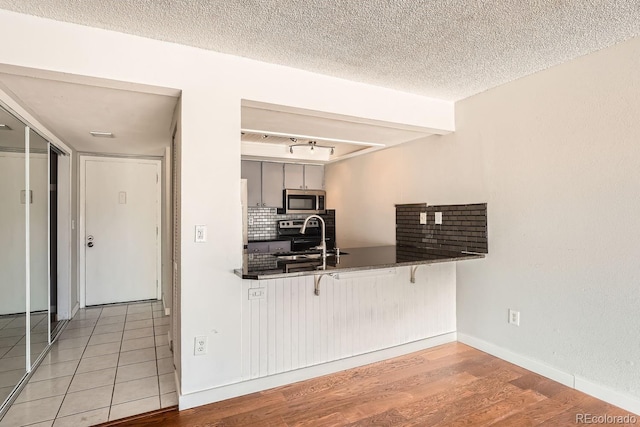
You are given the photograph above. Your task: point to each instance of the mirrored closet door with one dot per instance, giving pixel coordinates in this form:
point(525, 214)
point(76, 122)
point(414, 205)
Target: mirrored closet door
point(38, 244)
point(24, 251)
point(13, 263)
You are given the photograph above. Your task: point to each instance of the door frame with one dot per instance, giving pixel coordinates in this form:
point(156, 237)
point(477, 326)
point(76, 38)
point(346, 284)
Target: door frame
point(82, 229)
point(66, 265)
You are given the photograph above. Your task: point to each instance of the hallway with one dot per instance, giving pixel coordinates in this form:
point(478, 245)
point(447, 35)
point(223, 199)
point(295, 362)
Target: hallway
point(110, 362)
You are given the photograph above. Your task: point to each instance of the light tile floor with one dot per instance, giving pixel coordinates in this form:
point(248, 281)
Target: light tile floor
point(109, 363)
point(13, 347)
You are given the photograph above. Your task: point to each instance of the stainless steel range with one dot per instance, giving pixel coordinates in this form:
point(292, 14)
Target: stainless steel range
point(290, 229)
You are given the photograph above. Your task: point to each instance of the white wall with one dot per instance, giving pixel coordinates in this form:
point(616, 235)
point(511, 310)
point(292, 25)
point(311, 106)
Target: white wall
point(557, 157)
point(212, 88)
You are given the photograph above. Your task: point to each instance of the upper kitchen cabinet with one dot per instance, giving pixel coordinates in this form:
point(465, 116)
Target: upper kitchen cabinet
point(293, 176)
point(265, 182)
point(272, 184)
point(314, 177)
point(308, 177)
point(252, 172)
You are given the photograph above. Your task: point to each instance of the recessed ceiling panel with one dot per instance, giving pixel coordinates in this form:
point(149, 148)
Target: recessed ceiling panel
point(298, 134)
point(140, 122)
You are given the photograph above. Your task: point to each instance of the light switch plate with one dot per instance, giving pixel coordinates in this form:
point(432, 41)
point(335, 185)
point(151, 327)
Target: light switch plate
point(514, 317)
point(438, 218)
point(423, 218)
point(201, 233)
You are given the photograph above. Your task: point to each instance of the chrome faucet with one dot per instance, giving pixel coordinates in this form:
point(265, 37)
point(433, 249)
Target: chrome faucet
point(323, 243)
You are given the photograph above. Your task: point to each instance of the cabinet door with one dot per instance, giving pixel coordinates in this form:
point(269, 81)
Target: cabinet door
point(258, 247)
point(272, 182)
point(252, 172)
point(293, 176)
point(280, 246)
point(314, 177)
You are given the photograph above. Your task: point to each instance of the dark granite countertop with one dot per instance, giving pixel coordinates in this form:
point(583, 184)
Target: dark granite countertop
point(270, 266)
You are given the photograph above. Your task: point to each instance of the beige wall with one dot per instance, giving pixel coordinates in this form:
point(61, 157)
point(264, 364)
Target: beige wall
point(557, 157)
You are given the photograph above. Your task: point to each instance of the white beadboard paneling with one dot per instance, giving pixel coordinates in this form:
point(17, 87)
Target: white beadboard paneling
point(191, 400)
point(292, 328)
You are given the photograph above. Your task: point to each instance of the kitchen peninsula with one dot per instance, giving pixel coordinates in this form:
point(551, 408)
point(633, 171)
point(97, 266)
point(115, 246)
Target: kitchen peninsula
point(281, 265)
point(422, 237)
point(367, 304)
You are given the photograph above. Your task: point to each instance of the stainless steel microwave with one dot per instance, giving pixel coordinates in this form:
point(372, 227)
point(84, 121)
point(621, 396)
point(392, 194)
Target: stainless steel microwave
point(303, 201)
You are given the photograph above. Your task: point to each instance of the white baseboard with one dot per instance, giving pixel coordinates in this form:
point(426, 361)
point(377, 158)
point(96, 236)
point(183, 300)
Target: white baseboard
point(75, 310)
point(622, 400)
point(517, 359)
point(217, 394)
point(167, 310)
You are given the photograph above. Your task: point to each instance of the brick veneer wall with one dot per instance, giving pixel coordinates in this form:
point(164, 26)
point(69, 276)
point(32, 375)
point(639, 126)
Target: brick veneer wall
point(463, 228)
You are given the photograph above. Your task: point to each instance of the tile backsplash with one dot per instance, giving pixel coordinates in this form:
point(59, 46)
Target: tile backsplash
point(262, 222)
point(463, 228)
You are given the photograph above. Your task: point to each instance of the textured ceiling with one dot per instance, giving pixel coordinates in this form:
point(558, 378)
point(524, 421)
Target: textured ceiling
point(444, 49)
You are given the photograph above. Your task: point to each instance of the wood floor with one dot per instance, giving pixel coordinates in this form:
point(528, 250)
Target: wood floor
point(449, 385)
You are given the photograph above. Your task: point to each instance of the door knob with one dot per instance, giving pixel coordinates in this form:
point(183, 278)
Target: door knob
point(90, 244)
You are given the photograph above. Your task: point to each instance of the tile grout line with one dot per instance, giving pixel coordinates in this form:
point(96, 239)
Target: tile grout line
point(83, 357)
point(155, 351)
point(49, 379)
point(113, 391)
point(79, 361)
point(119, 354)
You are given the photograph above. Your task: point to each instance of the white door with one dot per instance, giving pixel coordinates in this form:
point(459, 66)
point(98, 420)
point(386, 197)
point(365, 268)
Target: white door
point(121, 229)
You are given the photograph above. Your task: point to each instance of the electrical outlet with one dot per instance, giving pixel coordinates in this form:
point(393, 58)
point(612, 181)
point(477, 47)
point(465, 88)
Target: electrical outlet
point(200, 347)
point(423, 218)
point(257, 293)
point(250, 220)
point(514, 317)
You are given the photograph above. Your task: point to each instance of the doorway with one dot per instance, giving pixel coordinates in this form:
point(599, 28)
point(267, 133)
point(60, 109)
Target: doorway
point(120, 203)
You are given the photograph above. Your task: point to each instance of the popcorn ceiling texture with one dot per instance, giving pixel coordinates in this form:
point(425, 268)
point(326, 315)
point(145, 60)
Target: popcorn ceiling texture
point(442, 49)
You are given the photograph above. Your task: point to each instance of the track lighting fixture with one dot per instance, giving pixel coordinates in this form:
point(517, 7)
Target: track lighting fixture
point(312, 146)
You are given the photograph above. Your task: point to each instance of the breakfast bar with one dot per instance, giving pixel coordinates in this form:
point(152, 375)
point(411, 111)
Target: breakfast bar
point(293, 264)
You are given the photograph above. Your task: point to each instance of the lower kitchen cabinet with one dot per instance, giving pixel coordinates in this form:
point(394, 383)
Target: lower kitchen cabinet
point(274, 246)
